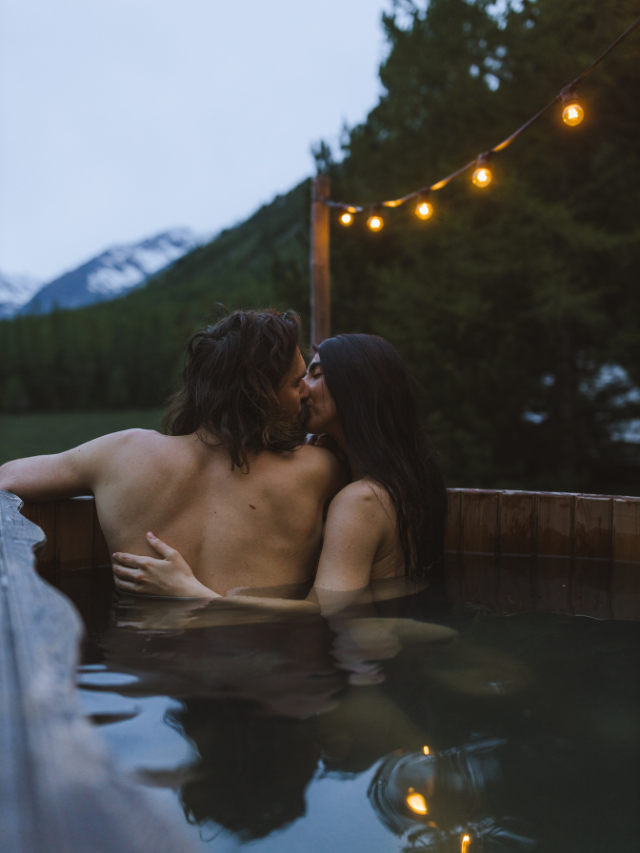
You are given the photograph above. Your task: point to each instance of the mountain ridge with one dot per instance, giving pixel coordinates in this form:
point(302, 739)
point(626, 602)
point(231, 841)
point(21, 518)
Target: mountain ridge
point(15, 291)
point(110, 274)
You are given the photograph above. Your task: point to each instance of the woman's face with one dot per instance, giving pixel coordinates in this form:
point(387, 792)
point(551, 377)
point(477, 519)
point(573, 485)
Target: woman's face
point(323, 415)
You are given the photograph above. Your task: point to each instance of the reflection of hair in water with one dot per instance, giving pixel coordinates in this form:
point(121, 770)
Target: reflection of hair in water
point(254, 770)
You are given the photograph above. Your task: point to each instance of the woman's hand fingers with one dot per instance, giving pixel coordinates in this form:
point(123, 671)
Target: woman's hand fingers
point(126, 586)
point(131, 577)
point(127, 580)
point(130, 560)
point(161, 547)
point(168, 576)
point(127, 574)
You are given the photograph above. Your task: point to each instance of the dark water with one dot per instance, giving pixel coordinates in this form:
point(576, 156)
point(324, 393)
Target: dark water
point(298, 734)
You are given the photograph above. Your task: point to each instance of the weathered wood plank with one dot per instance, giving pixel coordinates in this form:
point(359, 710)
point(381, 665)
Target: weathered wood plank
point(74, 533)
point(59, 791)
point(517, 523)
point(593, 528)
point(555, 525)
point(452, 541)
point(626, 530)
point(479, 519)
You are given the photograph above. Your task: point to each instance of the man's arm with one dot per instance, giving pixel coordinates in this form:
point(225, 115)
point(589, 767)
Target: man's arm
point(60, 475)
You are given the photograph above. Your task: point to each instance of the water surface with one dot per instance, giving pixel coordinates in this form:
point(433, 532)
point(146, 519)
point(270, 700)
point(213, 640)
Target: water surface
point(297, 733)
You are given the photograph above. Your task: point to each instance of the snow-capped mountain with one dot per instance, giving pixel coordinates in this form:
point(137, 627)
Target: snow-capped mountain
point(112, 273)
point(16, 291)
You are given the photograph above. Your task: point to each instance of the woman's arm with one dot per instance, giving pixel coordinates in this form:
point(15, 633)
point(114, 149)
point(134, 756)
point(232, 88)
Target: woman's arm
point(353, 532)
point(172, 577)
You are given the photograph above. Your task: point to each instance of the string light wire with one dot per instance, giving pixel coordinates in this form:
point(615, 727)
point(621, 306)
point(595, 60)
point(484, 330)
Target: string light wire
point(483, 158)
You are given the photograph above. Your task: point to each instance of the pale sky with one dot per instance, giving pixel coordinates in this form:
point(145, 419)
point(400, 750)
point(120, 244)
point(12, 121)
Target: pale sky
point(123, 118)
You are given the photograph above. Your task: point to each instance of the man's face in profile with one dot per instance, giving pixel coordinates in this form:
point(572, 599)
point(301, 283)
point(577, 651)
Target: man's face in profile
point(293, 391)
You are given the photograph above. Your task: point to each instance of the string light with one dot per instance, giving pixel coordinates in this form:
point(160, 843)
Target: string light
point(466, 841)
point(346, 218)
point(572, 111)
point(424, 208)
point(426, 750)
point(572, 115)
point(416, 802)
point(482, 174)
point(375, 221)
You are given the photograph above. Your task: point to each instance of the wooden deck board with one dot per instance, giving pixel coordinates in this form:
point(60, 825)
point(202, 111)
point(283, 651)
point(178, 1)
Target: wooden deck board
point(59, 790)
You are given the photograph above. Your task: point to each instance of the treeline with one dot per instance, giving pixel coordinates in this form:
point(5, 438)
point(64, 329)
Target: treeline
point(128, 352)
point(516, 306)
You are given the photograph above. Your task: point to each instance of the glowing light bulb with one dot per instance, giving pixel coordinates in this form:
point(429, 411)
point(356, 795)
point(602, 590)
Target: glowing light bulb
point(375, 222)
point(416, 802)
point(466, 841)
point(572, 113)
point(346, 218)
point(482, 176)
point(426, 750)
point(424, 209)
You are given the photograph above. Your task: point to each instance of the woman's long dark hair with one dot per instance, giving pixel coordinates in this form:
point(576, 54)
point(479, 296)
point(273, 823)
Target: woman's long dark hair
point(377, 401)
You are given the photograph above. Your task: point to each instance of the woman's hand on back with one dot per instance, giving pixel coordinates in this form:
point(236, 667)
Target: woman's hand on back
point(170, 576)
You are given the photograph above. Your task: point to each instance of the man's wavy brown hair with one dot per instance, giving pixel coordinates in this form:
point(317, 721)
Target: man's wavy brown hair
point(230, 381)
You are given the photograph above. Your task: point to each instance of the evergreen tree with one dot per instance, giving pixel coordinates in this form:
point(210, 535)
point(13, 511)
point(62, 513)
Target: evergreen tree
point(516, 306)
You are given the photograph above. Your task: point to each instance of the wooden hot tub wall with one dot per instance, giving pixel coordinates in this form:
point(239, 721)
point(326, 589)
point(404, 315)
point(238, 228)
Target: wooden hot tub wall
point(480, 522)
point(543, 524)
point(560, 553)
point(567, 553)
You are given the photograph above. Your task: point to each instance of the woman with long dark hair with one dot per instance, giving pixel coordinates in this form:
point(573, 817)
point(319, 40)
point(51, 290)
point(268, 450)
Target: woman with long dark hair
point(389, 521)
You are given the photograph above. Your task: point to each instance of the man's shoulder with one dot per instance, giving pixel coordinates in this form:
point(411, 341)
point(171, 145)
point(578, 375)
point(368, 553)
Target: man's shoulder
point(126, 443)
point(308, 465)
point(317, 459)
point(127, 437)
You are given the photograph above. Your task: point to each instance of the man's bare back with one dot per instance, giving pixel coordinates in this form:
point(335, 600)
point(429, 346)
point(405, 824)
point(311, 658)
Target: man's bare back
point(261, 528)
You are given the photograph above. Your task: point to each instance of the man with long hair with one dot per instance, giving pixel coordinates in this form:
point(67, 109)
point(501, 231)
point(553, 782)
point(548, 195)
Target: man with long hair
point(231, 484)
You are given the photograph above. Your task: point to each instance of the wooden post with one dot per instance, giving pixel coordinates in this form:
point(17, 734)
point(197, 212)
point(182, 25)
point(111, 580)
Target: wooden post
point(320, 284)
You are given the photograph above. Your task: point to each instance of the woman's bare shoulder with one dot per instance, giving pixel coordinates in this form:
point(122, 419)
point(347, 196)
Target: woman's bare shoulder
point(366, 495)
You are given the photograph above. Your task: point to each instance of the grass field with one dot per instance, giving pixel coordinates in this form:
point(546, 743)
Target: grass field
point(31, 435)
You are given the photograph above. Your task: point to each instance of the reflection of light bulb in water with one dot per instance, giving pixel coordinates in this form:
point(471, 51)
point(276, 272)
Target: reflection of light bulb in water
point(426, 750)
point(416, 802)
point(466, 841)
